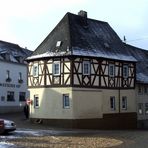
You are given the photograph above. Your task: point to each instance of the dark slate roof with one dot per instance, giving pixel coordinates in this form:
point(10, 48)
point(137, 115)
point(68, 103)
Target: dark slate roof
point(142, 63)
point(13, 53)
point(84, 37)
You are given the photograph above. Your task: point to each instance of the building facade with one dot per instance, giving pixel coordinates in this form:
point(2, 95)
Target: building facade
point(13, 80)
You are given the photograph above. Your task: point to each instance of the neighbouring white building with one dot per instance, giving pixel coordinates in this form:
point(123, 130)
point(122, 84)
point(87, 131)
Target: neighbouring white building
point(13, 77)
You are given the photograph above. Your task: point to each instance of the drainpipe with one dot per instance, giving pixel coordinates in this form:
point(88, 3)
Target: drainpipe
point(119, 98)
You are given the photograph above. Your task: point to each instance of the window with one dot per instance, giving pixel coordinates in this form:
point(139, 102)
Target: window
point(36, 101)
point(145, 89)
point(35, 70)
point(112, 103)
point(111, 70)
point(56, 68)
point(8, 79)
point(86, 68)
point(139, 89)
point(22, 96)
point(20, 80)
point(124, 102)
point(140, 108)
point(146, 108)
point(66, 102)
point(125, 71)
point(10, 96)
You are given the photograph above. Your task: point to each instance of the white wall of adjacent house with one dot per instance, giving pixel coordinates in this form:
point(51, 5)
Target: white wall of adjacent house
point(142, 101)
point(13, 86)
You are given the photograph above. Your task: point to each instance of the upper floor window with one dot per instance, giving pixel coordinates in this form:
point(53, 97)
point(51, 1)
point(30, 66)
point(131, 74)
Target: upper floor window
point(35, 70)
point(8, 79)
point(124, 102)
point(145, 89)
point(86, 68)
point(112, 103)
point(10, 96)
point(56, 68)
point(66, 101)
point(111, 70)
point(125, 71)
point(140, 91)
point(20, 80)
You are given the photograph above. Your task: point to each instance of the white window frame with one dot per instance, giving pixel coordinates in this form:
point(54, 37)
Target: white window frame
point(125, 71)
point(124, 103)
point(53, 68)
point(36, 101)
point(35, 70)
point(112, 103)
point(111, 70)
point(66, 104)
point(86, 72)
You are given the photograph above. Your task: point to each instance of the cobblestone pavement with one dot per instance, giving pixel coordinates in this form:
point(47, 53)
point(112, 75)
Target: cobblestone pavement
point(129, 138)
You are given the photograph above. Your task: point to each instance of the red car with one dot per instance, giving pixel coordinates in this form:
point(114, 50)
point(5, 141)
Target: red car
point(2, 129)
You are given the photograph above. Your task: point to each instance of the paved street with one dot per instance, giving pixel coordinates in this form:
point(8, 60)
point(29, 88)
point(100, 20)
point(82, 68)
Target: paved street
point(70, 137)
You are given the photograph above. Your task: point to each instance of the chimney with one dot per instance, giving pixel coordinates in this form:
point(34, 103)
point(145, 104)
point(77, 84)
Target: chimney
point(83, 14)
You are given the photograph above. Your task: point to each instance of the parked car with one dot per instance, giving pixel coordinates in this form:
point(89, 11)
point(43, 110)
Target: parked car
point(7, 126)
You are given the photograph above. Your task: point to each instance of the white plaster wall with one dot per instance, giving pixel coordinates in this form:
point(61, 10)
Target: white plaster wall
point(14, 69)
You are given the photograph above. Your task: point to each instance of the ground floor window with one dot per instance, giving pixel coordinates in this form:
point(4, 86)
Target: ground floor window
point(112, 103)
point(22, 96)
point(146, 108)
point(10, 96)
point(66, 102)
point(140, 108)
point(36, 101)
point(124, 102)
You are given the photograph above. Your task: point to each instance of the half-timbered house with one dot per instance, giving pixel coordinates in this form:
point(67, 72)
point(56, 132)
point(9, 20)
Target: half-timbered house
point(83, 76)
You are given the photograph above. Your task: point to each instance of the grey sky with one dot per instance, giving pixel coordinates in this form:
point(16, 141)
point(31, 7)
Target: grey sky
point(28, 22)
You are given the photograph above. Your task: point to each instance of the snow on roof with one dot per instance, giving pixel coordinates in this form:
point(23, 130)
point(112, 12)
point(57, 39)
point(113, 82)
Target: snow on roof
point(142, 78)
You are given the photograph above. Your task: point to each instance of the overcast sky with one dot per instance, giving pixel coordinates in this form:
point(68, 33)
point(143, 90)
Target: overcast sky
point(28, 22)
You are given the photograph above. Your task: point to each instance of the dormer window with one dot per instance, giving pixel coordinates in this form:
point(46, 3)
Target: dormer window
point(8, 79)
point(86, 68)
point(111, 70)
point(58, 44)
point(35, 70)
point(56, 68)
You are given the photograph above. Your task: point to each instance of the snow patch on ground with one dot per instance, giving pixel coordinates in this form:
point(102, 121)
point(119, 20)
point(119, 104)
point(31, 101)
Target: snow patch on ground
point(4, 144)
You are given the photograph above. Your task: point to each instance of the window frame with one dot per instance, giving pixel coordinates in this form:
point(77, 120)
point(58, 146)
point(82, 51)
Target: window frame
point(146, 108)
point(111, 70)
point(54, 68)
point(88, 71)
point(36, 101)
point(24, 95)
point(124, 97)
point(112, 103)
point(11, 99)
point(35, 70)
point(125, 71)
point(140, 108)
point(65, 99)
